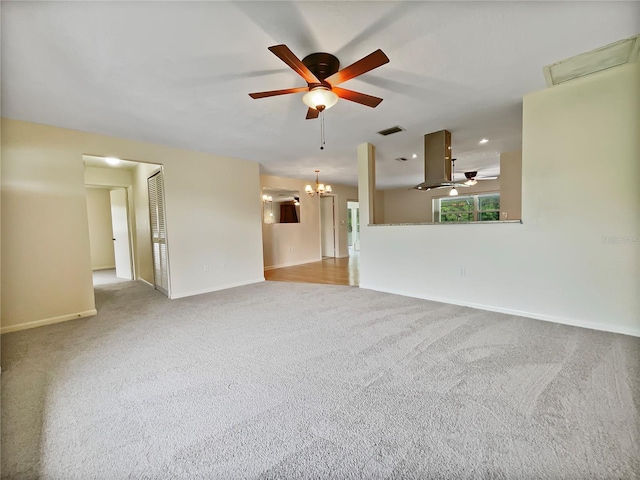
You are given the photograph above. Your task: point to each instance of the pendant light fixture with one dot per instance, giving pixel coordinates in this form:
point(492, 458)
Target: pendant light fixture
point(321, 188)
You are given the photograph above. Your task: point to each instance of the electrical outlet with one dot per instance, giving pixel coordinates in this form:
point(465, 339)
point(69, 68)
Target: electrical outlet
point(205, 268)
point(462, 271)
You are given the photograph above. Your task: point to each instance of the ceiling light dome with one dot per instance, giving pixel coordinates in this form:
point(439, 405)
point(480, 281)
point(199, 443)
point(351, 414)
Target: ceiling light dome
point(320, 98)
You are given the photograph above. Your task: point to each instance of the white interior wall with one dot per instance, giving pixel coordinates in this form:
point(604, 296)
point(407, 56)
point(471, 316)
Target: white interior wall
point(47, 277)
point(100, 228)
point(575, 259)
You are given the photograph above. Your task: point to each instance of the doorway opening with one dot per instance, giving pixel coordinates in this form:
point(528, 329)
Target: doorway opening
point(110, 233)
point(353, 227)
point(127, 228)
point(328, 226)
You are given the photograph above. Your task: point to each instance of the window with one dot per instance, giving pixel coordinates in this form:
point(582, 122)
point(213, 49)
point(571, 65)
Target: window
point(468, 208)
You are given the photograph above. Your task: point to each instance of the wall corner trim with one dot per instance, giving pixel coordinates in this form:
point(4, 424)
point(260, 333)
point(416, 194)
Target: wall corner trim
point(47, 321)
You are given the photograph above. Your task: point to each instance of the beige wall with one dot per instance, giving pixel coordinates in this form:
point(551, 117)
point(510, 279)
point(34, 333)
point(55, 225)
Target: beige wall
point(100, 228)
point(379, 207)
point(113, 177)
point(575, 259)
point(46, 274)
point(404, 205)
point(511, 186)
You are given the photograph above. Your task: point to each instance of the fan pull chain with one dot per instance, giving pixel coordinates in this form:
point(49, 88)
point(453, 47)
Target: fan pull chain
point(322, 138)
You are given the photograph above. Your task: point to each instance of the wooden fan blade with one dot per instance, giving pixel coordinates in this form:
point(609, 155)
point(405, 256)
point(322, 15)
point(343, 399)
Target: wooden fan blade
point(312, 113)
point(364, 65)
point(362, 98)
point(288, 57)
point(273, 93)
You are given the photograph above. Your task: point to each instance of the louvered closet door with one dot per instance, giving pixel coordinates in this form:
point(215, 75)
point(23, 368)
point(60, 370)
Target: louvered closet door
point(158, 233)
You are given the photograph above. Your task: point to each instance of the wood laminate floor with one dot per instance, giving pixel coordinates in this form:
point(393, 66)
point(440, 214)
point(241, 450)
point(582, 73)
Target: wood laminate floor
point(332, 271)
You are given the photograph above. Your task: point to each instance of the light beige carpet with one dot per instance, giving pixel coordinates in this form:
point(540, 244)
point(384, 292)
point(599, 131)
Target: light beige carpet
point(280, 380)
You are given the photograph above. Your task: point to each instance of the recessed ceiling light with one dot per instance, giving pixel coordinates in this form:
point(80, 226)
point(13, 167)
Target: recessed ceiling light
point(415, 155)
point(112, 160)
point(483, 141)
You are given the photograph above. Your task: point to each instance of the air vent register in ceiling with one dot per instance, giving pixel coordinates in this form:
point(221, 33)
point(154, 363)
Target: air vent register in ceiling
point(612, 55)
point(392, 130)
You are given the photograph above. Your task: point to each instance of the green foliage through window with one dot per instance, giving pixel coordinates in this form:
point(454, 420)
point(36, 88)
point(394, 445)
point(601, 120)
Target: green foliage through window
point(470, 208)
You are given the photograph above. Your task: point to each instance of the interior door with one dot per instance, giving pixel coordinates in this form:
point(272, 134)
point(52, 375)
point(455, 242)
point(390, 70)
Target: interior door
point(327, 229)
point(120, 225)
point(158, 233)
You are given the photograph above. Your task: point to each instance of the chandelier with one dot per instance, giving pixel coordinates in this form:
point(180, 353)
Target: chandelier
point(321, 188)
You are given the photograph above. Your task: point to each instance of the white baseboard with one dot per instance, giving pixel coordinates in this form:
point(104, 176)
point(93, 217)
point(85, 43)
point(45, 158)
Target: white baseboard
point(108, 267)
point(47, 321)
point(634, 332)
point(175, 296)
point(292, 264)
point(144, 281)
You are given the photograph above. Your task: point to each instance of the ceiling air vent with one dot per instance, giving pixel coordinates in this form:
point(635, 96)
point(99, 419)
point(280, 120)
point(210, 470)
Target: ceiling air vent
point(390, 131)
point(612, 55)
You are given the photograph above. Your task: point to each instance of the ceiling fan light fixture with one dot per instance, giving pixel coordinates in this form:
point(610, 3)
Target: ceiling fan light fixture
point(320, 97)
point(453, 192)
point(471, 182)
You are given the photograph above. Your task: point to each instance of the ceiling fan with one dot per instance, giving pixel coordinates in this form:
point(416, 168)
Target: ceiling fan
point(322, 73)
point(472, 178)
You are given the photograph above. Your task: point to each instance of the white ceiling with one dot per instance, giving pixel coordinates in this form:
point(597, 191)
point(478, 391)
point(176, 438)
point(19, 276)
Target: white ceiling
point(179, 74)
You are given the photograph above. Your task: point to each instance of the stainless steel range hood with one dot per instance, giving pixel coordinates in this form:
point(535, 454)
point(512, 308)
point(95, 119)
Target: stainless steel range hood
point(437, 161)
